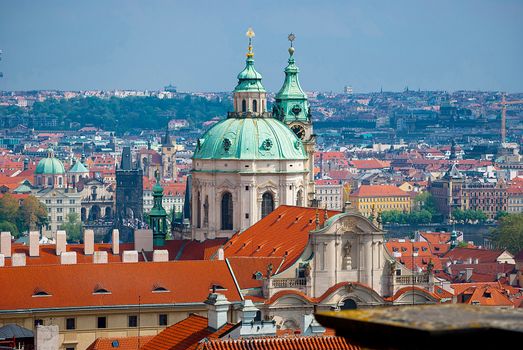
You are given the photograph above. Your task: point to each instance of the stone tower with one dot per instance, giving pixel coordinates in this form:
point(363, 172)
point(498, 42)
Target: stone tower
point(292, 108)
point(169, 170)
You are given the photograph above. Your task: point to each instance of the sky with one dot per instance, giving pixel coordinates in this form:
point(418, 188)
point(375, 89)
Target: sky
point(201, 45)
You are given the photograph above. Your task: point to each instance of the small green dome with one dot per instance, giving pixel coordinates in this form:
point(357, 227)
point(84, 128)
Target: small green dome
point(249, 79)
point(250, 138)
point(50, 166)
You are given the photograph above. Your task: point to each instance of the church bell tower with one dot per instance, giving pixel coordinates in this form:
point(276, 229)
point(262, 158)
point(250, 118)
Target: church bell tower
point(292, 107)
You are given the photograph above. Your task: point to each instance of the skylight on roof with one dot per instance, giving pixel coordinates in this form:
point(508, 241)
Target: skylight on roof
point(38, 292)
point(158, 288)
point(98, 289)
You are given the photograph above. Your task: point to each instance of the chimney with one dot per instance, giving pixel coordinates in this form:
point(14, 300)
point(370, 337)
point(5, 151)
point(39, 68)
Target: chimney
point(68, 258)
point(468, 273)
point(5, 244)
point(116, 242)
point(469, 261)
point(100, 257)
point(130, 256)
point(217, 310)
point(143, 240)
point(61, 242)
point(88, 242)
point(476, 261)
point(18, 259)
point(220, 254)
point(161, 255)
point(2, 260)
point(34, 243)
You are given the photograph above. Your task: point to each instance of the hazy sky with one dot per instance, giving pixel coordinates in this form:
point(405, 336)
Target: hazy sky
point(201, 45)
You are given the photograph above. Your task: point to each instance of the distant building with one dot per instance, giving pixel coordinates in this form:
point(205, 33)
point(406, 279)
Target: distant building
point(447, 192)
point(487, 197)
point(330, 194)
point(348, 90)
point(369, 199)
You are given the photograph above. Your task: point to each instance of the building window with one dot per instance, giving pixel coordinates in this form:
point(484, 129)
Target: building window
point(132, 321)
point(47, 201)
point(72, 210)
point(244, 106)
point(59, 218)
point(39, 322)
point(58, 201)
point(227, 211)
point(70, 348)
point(267, 204)
point(162, 319)
point(70, 323)
point(101, 322)
point(71, 201)
point(255, 106)
point(59, 210)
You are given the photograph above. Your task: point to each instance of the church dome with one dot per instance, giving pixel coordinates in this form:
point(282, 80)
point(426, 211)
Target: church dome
point(50, 166)
point(250, 138)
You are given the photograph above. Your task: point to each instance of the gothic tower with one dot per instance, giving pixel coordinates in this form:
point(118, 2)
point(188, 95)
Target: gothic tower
point(292, 108)
point(169, 170)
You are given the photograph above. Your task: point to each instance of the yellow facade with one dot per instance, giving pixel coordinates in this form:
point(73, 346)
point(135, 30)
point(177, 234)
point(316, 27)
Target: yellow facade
point(380, 203)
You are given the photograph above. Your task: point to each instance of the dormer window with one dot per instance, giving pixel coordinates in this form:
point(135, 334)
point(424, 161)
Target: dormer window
point(101, 290)
point(157, 288)
point(38, 292)
point(217, 287)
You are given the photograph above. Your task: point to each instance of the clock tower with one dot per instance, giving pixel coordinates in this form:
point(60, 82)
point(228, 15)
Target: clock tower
point(292, 107)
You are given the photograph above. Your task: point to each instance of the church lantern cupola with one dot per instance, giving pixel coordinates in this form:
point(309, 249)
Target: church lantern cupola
point(250, 96)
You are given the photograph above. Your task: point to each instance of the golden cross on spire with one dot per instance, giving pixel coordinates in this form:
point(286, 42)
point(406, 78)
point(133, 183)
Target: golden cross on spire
point(291, 38)
point(250, 34)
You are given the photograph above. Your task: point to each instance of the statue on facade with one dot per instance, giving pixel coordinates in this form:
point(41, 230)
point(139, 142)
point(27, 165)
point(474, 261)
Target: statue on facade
point(347, 259)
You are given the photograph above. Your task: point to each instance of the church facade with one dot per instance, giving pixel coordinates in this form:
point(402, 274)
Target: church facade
point(254, 160)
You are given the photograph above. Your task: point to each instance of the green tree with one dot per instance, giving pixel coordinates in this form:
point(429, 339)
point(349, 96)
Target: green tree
point(6, 226)
point(8, 208)
point(31, 215)
point(500, 214)
point(509, 233)
point(425, 201)
point(73, 228)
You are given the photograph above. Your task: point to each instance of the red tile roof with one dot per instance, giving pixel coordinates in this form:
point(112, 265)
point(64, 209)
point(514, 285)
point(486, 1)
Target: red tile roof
point(74, 285)
point(124, 343)
point(280, 343)
point(244, 269)
point(370, 164)
point(185, 334)
point(282, 233)
point(483, 255)
point(379, 191)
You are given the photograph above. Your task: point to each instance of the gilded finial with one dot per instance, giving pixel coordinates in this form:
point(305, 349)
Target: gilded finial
point(250, 34)
point(291, 38)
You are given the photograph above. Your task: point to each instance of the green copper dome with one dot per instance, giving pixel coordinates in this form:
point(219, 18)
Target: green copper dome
point(249, 79)
point(50, 166)
point(250, 139)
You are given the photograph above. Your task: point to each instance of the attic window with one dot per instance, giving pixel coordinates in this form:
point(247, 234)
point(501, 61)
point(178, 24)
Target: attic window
point(40, 293)
point(403, 249)
point(487, 295)
point(100, 290)
point(394, 249)
point(159, 289)
point(424, 249)
point(257, 276)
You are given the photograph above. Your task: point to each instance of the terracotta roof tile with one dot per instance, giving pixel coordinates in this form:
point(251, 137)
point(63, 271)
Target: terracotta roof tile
point(277, 343)
point(124, 343)
point(282, 233)
point(185, 334)
point(74, 285)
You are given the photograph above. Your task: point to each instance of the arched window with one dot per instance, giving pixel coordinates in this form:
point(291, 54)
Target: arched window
point(60, 181)
point(244, 106)
point(206, 212)
point(267, 204)
point(198, 211)
point(227, 211)
point(299, 198)
point(349, 304)
point(50, 181)
point(255, 106)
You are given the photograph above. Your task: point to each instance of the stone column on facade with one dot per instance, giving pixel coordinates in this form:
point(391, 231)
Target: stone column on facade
point(368, 261)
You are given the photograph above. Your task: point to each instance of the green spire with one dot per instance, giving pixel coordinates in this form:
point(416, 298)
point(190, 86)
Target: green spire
point(249, 79)
point(291, 102)
point(158, 215)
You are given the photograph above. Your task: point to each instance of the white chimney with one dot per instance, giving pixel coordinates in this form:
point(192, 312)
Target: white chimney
point(217, 310)
point(469, 261)
point(100, 257)
point(220, 254)
point(116, 242)
point(476, 261)
point(2, 260)
point(5, 244)
point(18, 259)
point(161, 255)
point(68, 258)
point(130, 256)
point(88, 242)
point(34, 243)
point(61, 242)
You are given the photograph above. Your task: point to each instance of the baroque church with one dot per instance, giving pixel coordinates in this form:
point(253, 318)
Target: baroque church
point(254, 160)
